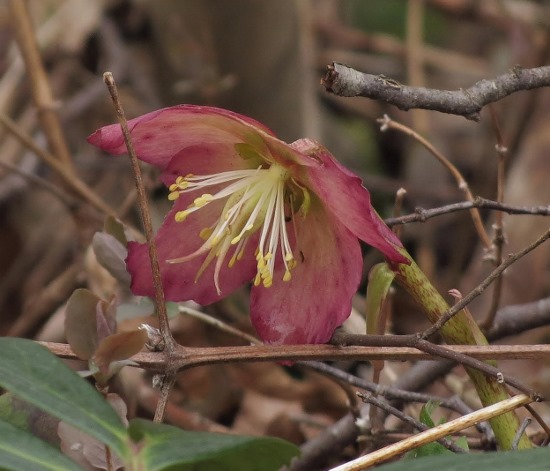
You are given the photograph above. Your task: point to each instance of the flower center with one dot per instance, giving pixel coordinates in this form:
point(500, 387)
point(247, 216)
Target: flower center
point(255, 201)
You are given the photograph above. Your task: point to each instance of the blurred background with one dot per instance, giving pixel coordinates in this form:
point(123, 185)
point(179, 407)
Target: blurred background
point(266, 59)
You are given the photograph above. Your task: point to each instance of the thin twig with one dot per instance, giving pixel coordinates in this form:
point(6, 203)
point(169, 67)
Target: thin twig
point(498, 228)
point(71, 179)
point(389, 392)
point(414, 341)
point(170, 344)
point(434, 433)
point(165, 388)
point(219, 324)
point(520, 432)
point(189, 357)
point(345, 81)
point(40, 87)
point(160, 304)
point(539, 420)
point(387, 123)
point(422, 215)
point(483, 285)
point(371, 399)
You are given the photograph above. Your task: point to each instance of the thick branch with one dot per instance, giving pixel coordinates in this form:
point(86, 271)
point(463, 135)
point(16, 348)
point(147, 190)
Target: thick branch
point(345, 81)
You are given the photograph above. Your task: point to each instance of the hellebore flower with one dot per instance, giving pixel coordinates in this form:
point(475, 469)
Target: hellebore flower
point(249, 207)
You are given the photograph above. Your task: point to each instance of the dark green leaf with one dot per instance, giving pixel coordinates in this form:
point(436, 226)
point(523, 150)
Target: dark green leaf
point(36, 375)
point(168, 448)
point(531, 460)
point(426, 413)
point(20, 451)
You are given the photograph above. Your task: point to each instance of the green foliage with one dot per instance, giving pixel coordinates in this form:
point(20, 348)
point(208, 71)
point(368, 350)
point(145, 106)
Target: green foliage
point(34, 374)
point(22, 451)
point(529, 460)
point(163, 450)
point(434, 448)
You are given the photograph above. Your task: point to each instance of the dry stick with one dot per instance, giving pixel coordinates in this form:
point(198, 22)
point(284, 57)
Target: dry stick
point(372, 400)
point(422, 215)
point(69, 177)
point(335, 373)
point(189, 357)
point(539, 419)
point(520, 432)
point(414, 341)
point(345, 81)
point(389, 392)
point(160, 304)
point(498, 228)
point(483, 285)
point(387, 123)
point(40, 88)
point(434, 433)
point(33, 179)
point(510, 320)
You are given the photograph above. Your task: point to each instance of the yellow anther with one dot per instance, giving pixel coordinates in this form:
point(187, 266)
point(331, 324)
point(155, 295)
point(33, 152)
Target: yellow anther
point(173, 187)
point(181, 215)
point(179, 179)
point(205, 233)
point(257, 279)
point(287, 276)
point(173, 196)
point(203, 200)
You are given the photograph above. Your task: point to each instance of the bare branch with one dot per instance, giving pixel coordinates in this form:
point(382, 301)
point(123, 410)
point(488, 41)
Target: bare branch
point(345, 81)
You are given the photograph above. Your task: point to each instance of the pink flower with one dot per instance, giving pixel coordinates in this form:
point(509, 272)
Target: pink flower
point(249, 207)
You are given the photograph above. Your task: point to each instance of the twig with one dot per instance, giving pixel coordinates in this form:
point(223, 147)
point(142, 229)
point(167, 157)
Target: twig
point(422, 215)
point(434, 433)
point(40, 88)
point(370, 399)
point(165, 388)
point(498, 228)
point(345, 81)
point(219, 324)
point(160, 305)
point(387, 123)
point(539, 419)
point(189, 357)
point(520, 432)
point(510, 320)
point(483, 285)
point(389, 392)
point(71, 179)
point(414, 341)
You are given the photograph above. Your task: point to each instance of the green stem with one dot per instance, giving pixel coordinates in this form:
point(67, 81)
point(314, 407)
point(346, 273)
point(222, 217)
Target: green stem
point(462, 330)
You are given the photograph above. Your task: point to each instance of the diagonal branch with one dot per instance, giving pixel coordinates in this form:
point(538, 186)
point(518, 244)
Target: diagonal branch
point(345, 81)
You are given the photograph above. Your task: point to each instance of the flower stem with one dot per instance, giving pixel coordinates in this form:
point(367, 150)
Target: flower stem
point(462, 329)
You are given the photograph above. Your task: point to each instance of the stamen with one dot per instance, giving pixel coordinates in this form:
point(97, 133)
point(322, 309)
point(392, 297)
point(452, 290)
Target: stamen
point(255, 199)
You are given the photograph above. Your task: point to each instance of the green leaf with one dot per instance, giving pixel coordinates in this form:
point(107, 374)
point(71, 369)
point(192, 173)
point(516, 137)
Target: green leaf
point(530, 460)
point(39, 377)
point(426, 413)
point(164, 447)
point(380, 280)
point(20, 451)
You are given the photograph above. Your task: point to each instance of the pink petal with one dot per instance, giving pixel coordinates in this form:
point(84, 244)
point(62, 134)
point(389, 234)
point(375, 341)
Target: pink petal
point(205, 159)
point(317, 299)
point(159, 135)
point(348, 200)
point(177, 239)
